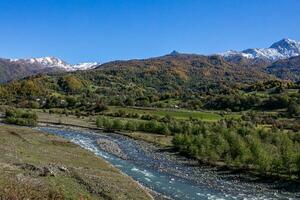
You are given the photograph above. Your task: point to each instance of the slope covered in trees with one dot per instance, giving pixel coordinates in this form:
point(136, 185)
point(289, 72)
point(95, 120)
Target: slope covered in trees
point(175, 80)
point(286, 69)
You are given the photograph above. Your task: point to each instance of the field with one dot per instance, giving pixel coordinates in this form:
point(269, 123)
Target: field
point(67, 120)
point(181, 114)
point(29, 162)
point(157, 139)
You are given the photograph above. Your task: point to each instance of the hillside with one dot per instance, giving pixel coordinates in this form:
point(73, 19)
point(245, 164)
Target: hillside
point(288, 69)
point(177, 80)
point(31, 169)
point(178, 74)
point(189, 67)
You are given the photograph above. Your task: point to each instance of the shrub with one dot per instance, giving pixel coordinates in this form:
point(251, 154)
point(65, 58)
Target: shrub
point(19, 117)
point(293, 109)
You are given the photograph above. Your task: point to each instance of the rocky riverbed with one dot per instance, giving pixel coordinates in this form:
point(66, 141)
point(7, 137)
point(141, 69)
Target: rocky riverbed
point(111, 147)
point(173, 175)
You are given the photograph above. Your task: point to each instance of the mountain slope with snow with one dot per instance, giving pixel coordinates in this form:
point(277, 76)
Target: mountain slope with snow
point(54, 62)
point(12, 69)
point(282, 49)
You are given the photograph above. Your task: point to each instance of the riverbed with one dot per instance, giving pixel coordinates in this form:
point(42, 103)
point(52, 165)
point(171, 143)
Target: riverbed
point(172, 175)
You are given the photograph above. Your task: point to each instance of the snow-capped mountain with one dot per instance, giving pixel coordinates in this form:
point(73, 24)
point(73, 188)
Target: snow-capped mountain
point(12, 69)
point(85, 66)
point(53, 62)
point(282, 49)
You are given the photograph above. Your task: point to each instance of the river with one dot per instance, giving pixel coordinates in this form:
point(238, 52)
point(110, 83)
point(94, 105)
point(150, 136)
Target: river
point(170, 175)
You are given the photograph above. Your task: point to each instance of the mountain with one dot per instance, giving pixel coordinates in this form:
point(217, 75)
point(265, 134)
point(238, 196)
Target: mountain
point(282, 49)
point(174, 74)
point(188, 68)
point(245, 66)
point(53, 62)
point(288, 69)
point(11, 69)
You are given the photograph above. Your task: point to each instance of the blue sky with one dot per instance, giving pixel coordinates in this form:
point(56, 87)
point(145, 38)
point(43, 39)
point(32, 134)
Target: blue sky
point(104, 30)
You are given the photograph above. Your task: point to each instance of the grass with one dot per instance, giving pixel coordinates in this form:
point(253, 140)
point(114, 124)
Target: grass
point(157, 139)
point(63, 119)
point(25, 152)
point(177, 114)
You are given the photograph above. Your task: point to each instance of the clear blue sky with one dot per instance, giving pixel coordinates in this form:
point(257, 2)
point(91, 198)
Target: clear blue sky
point(104, 30)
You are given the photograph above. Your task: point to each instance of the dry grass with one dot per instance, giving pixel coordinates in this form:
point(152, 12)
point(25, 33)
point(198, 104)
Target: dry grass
point(15, 189)
point(43, 166)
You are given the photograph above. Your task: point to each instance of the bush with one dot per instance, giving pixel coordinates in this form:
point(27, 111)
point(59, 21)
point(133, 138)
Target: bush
point(293, 109)
point(148, 126)
point(19, 117)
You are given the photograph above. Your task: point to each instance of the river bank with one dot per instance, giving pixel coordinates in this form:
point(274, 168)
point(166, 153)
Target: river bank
point(35, 165)
point(225, 183)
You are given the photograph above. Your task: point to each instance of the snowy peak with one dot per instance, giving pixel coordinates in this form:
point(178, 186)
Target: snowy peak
point(53, 62)
point(48, 61)
point(285, 43)
point(282, 49)
point(85, 66)
point(45, 62)
point(287, 47)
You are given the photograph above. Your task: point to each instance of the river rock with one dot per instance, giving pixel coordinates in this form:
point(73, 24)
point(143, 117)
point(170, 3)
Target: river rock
point(111, 147)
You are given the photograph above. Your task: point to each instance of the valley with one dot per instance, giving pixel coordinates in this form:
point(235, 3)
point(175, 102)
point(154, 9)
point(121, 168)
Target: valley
point(203, 127)
point(149, 100)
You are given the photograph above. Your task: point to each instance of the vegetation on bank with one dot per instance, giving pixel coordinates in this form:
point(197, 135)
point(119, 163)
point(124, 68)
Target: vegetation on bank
point(234, 143)
point(242, 145)
point(20, 117)
point(151, 126)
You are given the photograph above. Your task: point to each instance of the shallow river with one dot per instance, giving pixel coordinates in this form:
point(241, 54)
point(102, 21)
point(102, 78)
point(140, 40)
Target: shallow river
point(158, 171)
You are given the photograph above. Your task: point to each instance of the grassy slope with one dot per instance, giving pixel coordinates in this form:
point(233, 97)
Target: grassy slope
point(87, 174)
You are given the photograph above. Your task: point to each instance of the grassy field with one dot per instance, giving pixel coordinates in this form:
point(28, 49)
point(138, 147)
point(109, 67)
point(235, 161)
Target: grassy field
point(157, 139)
point(178, 114)
point(63, 119)
point(35, 165)
point(181, 114)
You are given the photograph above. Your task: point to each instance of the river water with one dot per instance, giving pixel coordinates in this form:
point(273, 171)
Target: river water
point(158, 172)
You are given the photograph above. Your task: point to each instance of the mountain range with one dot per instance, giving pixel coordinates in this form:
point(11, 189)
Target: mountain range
point(281, 60)
point(11, 69)
point(282, 49)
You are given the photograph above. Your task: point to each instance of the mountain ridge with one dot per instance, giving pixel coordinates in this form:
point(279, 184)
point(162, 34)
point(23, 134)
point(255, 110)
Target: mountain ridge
point(281, 49)
point(231, 65)
point(12, 69)
point(51, 61)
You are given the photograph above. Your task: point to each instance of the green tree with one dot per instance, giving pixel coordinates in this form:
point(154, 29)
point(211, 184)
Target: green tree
point(117, 125)
point(293, 109)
